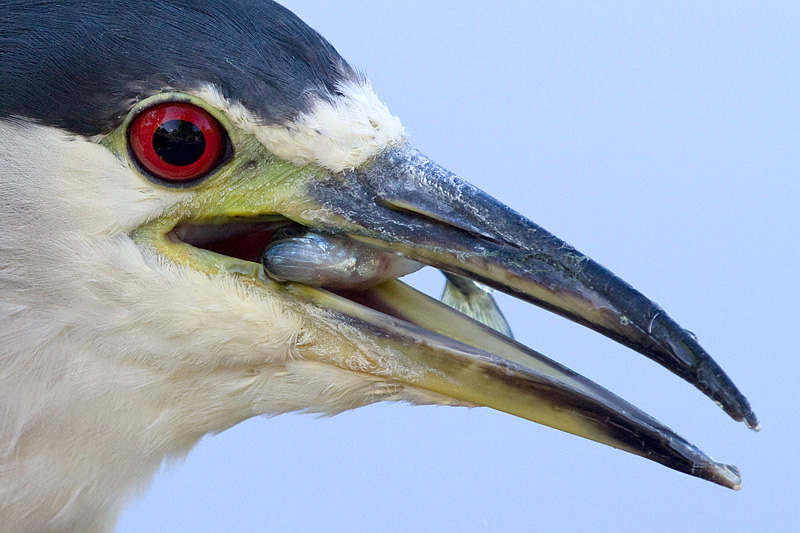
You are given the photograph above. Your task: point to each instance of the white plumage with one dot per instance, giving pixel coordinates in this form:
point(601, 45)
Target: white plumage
point(114, 359)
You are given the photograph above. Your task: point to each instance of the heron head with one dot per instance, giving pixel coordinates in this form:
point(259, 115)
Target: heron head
point(150, 153)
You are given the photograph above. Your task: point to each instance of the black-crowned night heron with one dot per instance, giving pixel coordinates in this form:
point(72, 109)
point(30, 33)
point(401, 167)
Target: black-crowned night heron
point(152, 156)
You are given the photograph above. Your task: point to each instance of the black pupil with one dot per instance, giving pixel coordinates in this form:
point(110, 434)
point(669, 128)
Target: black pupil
point(179, 142)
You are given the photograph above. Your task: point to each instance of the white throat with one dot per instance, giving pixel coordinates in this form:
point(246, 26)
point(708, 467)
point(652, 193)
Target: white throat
point(107, 361)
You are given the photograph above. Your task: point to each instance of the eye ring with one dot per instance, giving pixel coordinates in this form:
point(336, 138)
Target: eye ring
point(177, 142)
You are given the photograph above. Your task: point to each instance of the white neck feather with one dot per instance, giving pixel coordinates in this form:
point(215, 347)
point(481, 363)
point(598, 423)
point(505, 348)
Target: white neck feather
point(107, 361)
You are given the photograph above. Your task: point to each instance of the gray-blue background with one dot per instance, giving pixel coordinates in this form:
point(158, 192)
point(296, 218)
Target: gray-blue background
point(661, 140)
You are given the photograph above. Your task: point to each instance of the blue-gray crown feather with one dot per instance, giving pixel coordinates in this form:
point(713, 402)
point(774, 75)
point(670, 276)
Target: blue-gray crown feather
point(81, 64)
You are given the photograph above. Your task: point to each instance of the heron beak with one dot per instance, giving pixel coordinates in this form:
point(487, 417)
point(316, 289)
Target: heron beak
point(405, 204)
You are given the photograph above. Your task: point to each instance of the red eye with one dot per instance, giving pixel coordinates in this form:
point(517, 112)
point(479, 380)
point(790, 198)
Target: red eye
point(177, 142)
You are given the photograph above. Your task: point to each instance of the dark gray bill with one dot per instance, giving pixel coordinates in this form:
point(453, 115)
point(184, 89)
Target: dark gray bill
point(405, 203)
point(459, 358)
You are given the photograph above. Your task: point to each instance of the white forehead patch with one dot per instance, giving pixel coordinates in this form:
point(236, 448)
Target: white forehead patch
point(339, 135)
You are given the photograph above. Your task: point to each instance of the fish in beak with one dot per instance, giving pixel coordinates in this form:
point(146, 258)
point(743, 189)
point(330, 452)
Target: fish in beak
point(332, 244)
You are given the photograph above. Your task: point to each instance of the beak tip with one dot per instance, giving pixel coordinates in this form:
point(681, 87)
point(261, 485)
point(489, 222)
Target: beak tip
point(752, 422)
point(745, 414)
point(721, 474)
point(727, 476)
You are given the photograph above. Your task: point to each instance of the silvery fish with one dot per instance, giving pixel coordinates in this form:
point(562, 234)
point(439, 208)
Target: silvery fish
point(329, 261)
point(336, 262)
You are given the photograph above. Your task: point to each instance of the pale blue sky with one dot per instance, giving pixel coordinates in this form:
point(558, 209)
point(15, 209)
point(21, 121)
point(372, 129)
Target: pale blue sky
point(661, 140)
